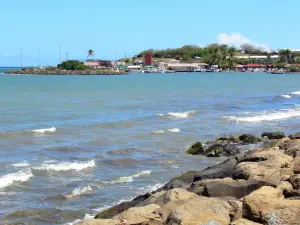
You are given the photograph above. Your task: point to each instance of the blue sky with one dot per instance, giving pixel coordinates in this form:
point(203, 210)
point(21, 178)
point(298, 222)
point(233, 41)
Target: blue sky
point(119, 26)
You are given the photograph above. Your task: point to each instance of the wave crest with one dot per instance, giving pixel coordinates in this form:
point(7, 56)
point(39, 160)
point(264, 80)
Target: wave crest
point(67, 166)
point(128, 179)
point(45, 130)
point(79, 191)
point(267, 116)
point(9, 179)
point(21, 164)
point(286, 96)
point(179, 115)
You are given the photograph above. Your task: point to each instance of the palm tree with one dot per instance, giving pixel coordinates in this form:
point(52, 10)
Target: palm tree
point(90, 53)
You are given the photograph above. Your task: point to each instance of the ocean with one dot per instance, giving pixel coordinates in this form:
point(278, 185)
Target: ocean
point(73, 145)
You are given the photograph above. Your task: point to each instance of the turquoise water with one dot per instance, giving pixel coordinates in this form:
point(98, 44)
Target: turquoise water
point(72, 145)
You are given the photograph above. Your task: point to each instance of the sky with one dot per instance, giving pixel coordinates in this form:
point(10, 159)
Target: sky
point(115, 27)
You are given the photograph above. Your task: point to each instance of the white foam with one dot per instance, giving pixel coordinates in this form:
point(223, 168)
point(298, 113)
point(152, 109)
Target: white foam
point(179, 115)
point(267, 116)
point(129, 179)
point(45, 130)
point(159, 132)
point(79, 191)
point(86, 217)
point(67, 166)
point(174, 130)
point(9, 179)
point(21, 164)
point(286, 96)
point(295, 93)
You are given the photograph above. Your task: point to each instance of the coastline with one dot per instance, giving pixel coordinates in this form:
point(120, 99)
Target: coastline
point(259, 186)
point(65, 72)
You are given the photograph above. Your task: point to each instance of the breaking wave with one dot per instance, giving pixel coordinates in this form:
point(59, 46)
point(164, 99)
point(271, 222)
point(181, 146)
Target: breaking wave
point(174, 130)
point(179, 115)
point(267, 116)
point(128, 179)
point(80, 191)
point(295, 93)
point(46, 130)
point(67, 166)
point(21, 164)
point(9, 179)
point(286, 96)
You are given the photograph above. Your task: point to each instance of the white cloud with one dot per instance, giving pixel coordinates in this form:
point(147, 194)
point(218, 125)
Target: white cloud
point(6, 53)
point(238, 39)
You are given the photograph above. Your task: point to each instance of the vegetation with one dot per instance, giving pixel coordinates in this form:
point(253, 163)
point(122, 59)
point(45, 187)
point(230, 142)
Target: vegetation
point(91, 53)
point(72, 65)
point(223, 55)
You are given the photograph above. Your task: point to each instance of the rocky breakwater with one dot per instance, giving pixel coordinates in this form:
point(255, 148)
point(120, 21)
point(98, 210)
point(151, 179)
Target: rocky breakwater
point(65, 72)
point(260, 186)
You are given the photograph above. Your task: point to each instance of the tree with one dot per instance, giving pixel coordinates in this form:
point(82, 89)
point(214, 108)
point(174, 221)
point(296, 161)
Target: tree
point(72, 65)
point(249, 49)
point(91, 53)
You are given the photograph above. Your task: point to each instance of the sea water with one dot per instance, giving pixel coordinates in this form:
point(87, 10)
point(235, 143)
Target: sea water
point(73, 145)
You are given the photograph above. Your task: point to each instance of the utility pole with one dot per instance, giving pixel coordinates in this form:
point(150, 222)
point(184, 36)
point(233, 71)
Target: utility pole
point(67, 54)
point(21, 57)
point(60, 54)
point(38, 57)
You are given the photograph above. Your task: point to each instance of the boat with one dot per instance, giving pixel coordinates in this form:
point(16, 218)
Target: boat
point(277, 72)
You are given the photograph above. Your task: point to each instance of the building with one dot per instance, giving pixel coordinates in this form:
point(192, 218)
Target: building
point(98, 63)
point(148, 59)
point(258, 57)
point(186, 67)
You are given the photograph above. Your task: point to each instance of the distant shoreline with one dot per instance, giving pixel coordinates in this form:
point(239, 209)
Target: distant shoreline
point(65, 72)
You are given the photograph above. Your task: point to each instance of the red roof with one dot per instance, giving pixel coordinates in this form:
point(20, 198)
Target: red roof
point(254, 65)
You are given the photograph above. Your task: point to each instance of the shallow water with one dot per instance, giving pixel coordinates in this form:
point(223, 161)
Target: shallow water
point(72, 145)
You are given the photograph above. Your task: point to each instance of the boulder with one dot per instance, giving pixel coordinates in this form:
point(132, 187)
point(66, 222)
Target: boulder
point(290, 144)
point(261, 154)
point(201, 210)
point(237, 189)
point(228, 139)
point(295, 181)
point(273, 135)
point(244, 222)
point(196, 149)
point(272, 170)
point(295, 136)
point(293, 151)
point(249, 139)
point(268, 206)
point(285, 186)
point(296, 165)
point(164, 197)
point(112, 211)
point(217, 150)
point(237, 209)
point(140, 215)
point(181, 181)
point(220, 170)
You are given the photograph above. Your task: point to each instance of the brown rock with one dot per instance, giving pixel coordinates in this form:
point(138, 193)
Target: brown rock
point(237, 209)
point(201, 210)
point(285, 186)
point(268, 206)
point(289, 144)
point(164, 197)
point(295, 136)
point(140, 215)
point(297, 165)
point(100, 222)
point(295, 181)
point(271, 170)
point(244, 222)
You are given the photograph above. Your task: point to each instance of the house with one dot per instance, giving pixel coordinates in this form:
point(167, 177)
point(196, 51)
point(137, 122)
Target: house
point(186, 67)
